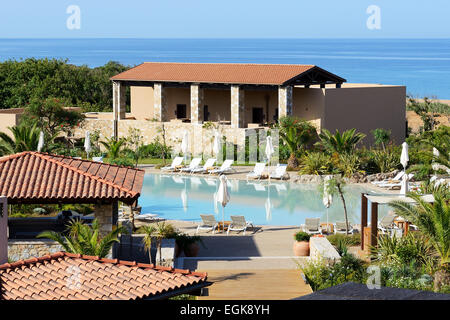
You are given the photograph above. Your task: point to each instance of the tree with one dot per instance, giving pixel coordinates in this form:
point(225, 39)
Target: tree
point(25, 138)
point(340, 143)
point(135, 141)
point(433, 219)
point(157, 233)
point(382, 137)
point(336, 186)
point(53, 115)
point(113, 147)
point(426, 111)
point(296, 134)
point(81, 238)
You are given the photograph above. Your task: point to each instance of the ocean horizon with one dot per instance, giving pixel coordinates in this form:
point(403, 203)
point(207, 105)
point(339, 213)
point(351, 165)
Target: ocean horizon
point(422, 65)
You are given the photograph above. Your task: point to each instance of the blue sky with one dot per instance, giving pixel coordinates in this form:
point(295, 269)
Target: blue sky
point(225, 19)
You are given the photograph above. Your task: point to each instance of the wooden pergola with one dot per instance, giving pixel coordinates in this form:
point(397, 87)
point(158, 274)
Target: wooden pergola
point(375, 201)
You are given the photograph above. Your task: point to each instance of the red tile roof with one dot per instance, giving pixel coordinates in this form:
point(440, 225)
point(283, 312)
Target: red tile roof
point(234, 73)
point(33, 177)
point(66, 276)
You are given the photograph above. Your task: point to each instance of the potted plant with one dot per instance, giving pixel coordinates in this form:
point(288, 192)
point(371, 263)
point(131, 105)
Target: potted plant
point(188, 244)
point(301, 244)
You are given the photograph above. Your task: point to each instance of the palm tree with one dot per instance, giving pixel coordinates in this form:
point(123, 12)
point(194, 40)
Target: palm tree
point(340, 143)
point(159, 232)
point(25, 138)
point(84, 239)
point(296, 133)
point(113, 147)
point(335, 186)
point(433, 219)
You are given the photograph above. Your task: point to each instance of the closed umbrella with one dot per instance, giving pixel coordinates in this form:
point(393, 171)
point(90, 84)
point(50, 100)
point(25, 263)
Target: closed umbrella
point(87, 143)
point(216, 144)
point(41, 142)
point(185, 144)
point(223, 196)
point(404, 158)
point(435, 152)
point(405, 185)
point(269, 148)
point(327, 197)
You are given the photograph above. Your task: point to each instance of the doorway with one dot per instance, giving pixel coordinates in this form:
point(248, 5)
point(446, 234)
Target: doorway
point(258, 115)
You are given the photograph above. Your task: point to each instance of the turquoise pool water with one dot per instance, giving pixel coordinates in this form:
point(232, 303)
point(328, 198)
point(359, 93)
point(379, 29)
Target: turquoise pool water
point(184, 197)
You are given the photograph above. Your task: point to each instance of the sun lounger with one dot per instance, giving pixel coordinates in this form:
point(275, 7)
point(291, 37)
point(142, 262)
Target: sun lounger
point(225, 167)
point(238, 223)
point(175, 163)
point(257, 170)
point(208, 164)
point(392, 185)
point(97, 159)
point(341, 227)
point(386, 224)
point(193, 165)
point(209, 222)
point(397, 178)
point(312, 226)
point(280, 172)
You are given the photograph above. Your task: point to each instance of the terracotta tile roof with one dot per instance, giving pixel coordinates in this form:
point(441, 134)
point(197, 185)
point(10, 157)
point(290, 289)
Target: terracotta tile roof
point(66, 276)
point(39, 178)
point(235, 73)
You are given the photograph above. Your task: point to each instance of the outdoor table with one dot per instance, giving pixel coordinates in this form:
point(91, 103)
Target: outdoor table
point(328, 228)
point(221, 225)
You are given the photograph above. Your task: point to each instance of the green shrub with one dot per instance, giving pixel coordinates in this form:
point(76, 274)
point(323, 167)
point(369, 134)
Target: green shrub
point(349, 164)
point(385, 160)
point(301, 236)
point(127, 162)
point(154, 150)
point(350, 240)
point(315, 163)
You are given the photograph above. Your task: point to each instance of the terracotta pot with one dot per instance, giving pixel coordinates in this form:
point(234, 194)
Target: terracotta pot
point(191, 250)
point(301, 248)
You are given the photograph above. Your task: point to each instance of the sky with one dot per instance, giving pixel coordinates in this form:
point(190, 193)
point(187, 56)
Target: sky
point(224, 19)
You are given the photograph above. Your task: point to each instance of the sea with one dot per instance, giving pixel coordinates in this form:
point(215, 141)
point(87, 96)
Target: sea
point(422, 65)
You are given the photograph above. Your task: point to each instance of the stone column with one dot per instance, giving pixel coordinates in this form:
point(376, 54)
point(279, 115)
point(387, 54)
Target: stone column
point(160, 102)
point(119, 100)
point(104, 214)
point(284, 101)
point(237, 107)
point(196, 104)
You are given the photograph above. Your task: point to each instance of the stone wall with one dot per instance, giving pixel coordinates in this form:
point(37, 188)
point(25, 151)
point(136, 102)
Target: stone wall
point(104, 215)
point(321, 248)
point(25, 249)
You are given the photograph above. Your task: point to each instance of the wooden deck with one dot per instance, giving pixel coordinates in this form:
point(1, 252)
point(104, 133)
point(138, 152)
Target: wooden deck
point(255, 284)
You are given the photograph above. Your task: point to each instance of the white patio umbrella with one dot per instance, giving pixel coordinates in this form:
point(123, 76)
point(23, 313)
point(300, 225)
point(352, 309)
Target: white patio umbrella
point(269, 148)
point(41, 141)
point(216, 144)
point(435, 152)
point(327, 197)
point(405, 185)
point(404, 158)
point(87, 143)
point(223, 196)
point(185, 144)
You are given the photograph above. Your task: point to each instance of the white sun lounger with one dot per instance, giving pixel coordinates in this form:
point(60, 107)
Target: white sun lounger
point(97, 159)
point(193, 165)
point(238, 223)
point(386, 224)
point(312, 226)
point(279, 173)
point(209, 222)
point(257, 170)
point(175, 163)
point(208, 164)
point(394, 184)
point(397, 178)
point(340, 227)
point(225, 167)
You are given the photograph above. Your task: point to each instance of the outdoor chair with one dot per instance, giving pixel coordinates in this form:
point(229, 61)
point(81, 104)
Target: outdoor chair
point(312, 226)
point(209, 222)
point(257, 171)
point(280, 172)
point(193, 165)
point(238, 223)
point(397, 178)
point(175, 163)
point(225, 167)
point(391, 185)
point(208, 164)
point(340, 227)
point(386, 224)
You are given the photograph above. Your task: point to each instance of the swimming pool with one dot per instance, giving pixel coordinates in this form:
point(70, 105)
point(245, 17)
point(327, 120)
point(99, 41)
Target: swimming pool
point(182, 197)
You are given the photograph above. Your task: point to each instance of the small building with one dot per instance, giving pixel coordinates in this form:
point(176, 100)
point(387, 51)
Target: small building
point(240, 97)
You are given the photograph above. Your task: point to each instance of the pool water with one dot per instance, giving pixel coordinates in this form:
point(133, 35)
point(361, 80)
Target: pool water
point(182, 197)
